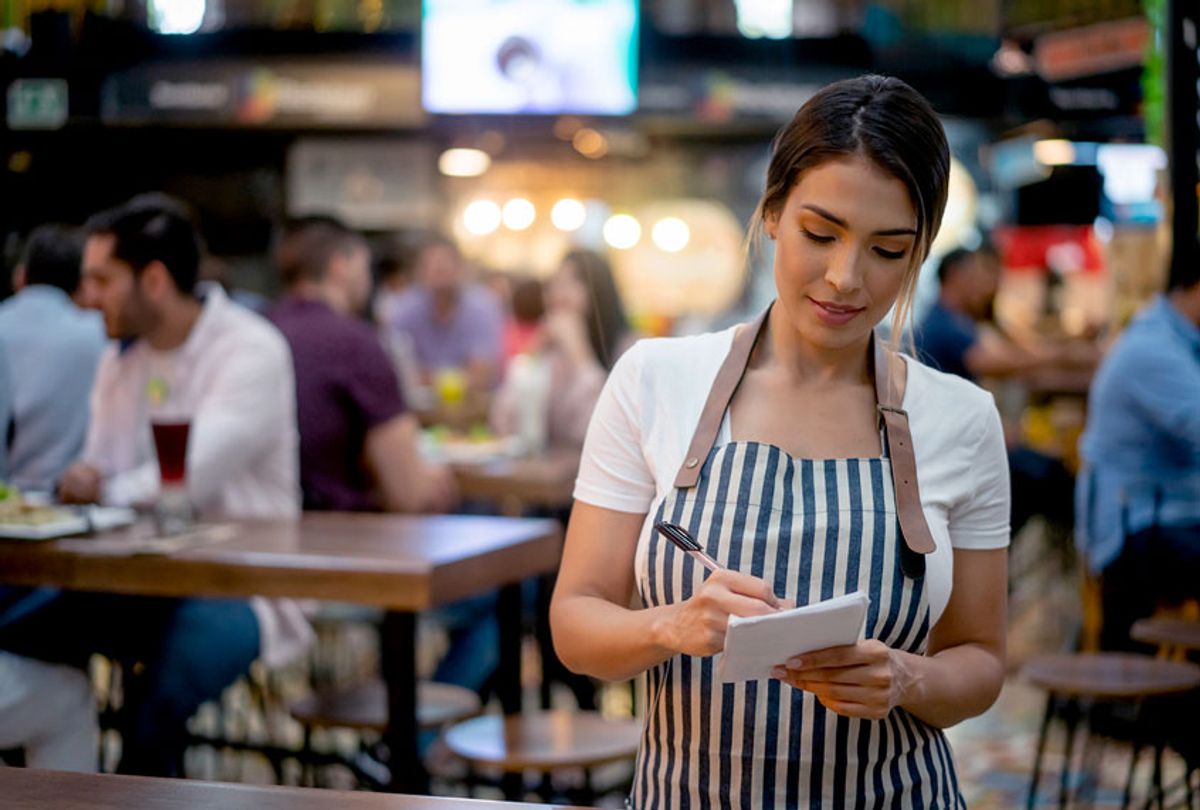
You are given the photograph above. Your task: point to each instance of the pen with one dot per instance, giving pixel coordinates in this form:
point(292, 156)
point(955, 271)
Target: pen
point(680, 537)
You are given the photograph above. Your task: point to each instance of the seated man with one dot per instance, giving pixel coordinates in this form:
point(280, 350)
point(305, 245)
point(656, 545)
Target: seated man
point(1138, 494)
point(53, 348)
point(453, 324)
point(358, 442)
point(234, 372)
point(957, 336)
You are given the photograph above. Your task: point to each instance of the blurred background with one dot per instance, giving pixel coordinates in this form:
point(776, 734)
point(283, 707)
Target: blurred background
point(638, 132)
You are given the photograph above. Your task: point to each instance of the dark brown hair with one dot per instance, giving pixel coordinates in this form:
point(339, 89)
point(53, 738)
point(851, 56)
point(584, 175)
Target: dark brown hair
point(607, 324)
point(309, 244)
point(885, 121)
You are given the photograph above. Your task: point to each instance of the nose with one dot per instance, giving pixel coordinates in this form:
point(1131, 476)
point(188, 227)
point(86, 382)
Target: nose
point(845, 272)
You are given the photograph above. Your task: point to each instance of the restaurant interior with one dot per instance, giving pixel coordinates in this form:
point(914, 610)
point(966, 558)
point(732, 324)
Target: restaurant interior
point(517, 137)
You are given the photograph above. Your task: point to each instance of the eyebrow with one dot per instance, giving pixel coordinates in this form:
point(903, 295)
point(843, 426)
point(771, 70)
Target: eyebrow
point(841, 223)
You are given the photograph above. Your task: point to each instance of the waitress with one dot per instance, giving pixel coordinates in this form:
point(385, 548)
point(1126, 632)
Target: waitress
point(810, 460)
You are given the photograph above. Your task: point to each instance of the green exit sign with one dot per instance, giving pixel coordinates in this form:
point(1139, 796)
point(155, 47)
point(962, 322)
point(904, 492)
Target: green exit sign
point(37, 104)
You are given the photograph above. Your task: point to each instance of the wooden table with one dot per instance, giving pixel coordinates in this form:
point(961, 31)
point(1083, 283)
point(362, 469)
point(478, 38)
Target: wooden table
point(25, 789)
point(514, 485)
point(403, 563)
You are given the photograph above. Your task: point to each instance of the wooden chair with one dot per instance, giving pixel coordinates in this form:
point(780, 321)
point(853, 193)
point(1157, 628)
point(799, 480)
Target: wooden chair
point(363, 707)
point(545, 742)
point(1077, 683)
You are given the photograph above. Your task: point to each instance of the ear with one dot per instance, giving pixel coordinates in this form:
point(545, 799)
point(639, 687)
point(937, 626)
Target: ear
point(155, 280)
point(771, 224)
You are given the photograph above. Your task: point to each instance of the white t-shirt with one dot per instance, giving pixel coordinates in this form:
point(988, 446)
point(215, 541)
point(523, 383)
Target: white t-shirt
point(234, 373)
point(649, 409)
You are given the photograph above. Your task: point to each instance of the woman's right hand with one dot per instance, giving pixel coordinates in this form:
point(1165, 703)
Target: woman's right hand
point(696, 626)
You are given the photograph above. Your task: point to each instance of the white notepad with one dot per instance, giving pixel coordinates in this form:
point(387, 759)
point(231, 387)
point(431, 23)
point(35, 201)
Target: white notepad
point(756, 644)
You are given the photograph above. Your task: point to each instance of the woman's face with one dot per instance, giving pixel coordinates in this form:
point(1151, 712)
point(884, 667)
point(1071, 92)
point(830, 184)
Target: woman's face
point(565, 291)
point(843, 244)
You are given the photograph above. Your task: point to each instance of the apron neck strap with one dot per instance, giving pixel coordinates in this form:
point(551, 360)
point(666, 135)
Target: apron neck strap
point(719, 396)
point(889, 373)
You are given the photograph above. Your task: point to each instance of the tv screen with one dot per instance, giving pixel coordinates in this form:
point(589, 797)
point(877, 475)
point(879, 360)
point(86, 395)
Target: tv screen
point(529, 56)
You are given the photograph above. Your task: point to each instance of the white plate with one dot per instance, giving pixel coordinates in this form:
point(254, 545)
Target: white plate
point(82, 521)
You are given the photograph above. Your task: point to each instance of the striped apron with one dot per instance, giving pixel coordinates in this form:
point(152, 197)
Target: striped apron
point(815, 529)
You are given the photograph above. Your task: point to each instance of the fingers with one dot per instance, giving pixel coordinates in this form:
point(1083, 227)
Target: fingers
point(747, 585)
point(864, 652)
point(743, 606)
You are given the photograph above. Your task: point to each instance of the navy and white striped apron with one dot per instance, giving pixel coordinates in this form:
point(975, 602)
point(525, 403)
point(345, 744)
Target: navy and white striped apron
point(816, 529)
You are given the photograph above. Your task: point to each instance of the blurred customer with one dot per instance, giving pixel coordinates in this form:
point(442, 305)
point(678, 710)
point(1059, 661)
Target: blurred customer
point(959, 336)
point(234, 372)
point(526, 309)
point(48, 712)
point(394, 267)
point(358, 442)
point(6, 414)
point(582, 333)
point(1138, 494)
point(454, 324)
point(52, 348)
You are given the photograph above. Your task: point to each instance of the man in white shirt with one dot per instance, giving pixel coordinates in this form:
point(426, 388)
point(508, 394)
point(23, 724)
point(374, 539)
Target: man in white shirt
point(231, 370)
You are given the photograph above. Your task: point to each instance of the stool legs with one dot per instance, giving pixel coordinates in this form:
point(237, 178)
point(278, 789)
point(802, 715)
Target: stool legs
point(1041, 750)
point(1071, 720)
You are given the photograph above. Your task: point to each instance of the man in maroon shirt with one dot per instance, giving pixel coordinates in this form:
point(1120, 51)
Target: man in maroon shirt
point(358, 442)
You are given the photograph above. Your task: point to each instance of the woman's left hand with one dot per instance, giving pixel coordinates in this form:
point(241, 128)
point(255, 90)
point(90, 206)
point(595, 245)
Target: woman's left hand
point(866, 680)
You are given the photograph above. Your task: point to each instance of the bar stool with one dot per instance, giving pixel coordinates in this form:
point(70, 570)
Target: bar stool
point(363, 707)
point(545, 742)
point(1175, 637)
point(1099, 678)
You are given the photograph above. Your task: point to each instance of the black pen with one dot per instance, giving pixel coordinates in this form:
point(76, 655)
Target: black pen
point(680, 537)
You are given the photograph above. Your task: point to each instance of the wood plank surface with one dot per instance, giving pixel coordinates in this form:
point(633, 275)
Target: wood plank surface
point(394, 561)
point(25, 789)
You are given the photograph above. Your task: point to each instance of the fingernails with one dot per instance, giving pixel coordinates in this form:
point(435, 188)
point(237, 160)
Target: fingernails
point(779, 673)
point(795, 663)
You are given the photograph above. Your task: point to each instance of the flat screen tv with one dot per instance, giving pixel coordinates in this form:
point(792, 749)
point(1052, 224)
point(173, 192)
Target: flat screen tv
point(542, 57)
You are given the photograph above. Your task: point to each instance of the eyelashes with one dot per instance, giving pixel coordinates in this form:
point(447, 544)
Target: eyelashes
point(813, 237)
point(821, 239)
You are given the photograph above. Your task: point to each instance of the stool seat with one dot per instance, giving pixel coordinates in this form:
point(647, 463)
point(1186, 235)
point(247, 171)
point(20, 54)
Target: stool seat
point(1179, 633)
point(364, 706)
point(1110, 676)
point(544, 741)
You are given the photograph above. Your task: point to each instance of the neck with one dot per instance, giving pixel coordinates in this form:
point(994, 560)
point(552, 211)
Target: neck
point(444, 303)
point(178, 317)
point(1187, 302)
point(802, 361)
point(329, 294)
point(951, 300)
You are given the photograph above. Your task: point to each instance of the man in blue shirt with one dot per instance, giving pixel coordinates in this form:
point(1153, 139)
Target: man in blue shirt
point(958, 337)
point(52, 349)
point(1138, 496)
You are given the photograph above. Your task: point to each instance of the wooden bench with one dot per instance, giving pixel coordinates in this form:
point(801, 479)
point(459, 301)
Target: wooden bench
point(54, 790)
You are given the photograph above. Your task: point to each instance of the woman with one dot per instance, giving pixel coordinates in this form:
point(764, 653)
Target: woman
point(775, 445)
point(582, 332)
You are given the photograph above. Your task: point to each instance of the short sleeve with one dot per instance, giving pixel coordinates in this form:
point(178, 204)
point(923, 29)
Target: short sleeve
point(371, 384)
point(613, 473)
point(981, 519)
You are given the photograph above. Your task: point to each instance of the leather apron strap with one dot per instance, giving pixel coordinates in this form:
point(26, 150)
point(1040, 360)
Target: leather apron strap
point(889, 396)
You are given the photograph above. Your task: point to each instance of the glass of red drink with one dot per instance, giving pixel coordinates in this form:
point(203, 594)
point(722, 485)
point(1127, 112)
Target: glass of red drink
point(170, 424)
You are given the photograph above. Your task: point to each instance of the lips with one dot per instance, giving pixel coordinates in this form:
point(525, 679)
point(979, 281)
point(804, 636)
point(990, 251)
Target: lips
point(835, 314)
